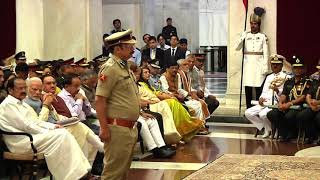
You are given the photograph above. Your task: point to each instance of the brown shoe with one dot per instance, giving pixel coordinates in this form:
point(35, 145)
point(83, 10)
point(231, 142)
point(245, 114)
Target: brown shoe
point(203, 132)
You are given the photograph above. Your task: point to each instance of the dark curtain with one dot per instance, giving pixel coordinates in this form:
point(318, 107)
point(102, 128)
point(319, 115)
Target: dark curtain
point(298, 30)
point(8, 28)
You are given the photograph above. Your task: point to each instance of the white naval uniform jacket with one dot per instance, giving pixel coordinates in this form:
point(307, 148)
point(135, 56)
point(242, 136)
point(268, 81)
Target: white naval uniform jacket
point(267, 93)
point(255, 66)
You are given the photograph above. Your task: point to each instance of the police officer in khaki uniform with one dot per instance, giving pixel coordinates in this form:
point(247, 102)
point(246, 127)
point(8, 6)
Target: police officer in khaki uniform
point(117, 105)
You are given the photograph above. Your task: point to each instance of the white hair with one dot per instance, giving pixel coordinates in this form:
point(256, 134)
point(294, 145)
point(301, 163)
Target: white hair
point(180, 61)
point(33, 79)
point(190, 56)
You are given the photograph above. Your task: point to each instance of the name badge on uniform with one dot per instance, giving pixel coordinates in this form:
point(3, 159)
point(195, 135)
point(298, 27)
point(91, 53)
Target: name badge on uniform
point(102, 77)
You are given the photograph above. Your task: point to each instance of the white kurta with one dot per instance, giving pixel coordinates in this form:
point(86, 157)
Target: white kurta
point(63, 155)
point(257, 114)
point(255, 66)
point(195, 108)
point(87, 140)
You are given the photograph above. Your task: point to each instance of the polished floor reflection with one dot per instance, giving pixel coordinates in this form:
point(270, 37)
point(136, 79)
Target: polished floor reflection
point(236, 139)
point(216, 82)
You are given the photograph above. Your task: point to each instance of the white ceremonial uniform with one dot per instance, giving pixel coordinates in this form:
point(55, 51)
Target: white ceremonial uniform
point(257, 114)
point(256, 54)
point(150, 133)
point(62, 153)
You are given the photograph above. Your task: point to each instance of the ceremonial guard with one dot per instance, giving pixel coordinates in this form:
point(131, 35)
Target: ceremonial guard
point(256, 54)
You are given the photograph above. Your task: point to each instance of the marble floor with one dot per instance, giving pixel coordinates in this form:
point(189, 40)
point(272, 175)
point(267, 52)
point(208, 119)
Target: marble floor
point(225, 138)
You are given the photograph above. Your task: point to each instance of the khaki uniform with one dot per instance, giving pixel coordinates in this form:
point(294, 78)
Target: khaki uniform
point(117, 84)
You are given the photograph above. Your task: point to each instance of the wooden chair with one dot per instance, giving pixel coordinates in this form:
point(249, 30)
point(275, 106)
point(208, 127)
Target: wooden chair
point(20, 163)
point(301, 132)
point(274, 130)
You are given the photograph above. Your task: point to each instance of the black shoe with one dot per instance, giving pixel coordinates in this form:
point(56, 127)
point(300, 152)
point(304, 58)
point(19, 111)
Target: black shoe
point(162, 152)
point(97, 166)
point(170, 147)
point(308, 141)
point(284, 139)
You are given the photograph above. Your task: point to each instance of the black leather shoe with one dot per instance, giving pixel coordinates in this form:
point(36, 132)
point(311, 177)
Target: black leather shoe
point(162, 153)
point(173, 151)
point(170, 147)
point(97, 166)
point(284, 139)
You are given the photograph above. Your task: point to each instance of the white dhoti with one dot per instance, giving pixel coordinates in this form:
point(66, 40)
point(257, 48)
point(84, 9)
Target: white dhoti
point(87, 140)
point(195, 108)
point(150, 133)
point(257, 115)
point(63, 156)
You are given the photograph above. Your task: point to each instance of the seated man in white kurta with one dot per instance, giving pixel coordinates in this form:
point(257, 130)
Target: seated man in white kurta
point(44, 111)
point(186, 89)
point(171, 83)
point(63, 155)
point(272, 88)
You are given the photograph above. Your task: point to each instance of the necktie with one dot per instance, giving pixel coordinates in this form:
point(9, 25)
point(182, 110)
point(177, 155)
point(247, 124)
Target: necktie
point(153, 54)
point(172, 50)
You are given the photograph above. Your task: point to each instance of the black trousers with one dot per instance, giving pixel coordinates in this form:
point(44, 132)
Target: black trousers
point(286, 122)
point(158, 116)
point(317, 122)
point(213, 104)
point(310, 121)
point(249, 94)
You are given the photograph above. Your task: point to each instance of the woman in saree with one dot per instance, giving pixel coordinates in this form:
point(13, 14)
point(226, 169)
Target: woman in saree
point(186, 125)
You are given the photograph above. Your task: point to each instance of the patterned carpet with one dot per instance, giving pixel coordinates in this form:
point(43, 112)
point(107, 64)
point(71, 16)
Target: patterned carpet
point(309, 152)
point(237, 166)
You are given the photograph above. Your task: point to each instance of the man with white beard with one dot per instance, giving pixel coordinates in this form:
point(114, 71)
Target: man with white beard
point(186, 89)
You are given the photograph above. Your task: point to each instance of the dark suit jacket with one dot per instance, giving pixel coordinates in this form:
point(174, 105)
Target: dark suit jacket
point(167, 32)
point(114, 31)
point(159, 53)
point(167, 59)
